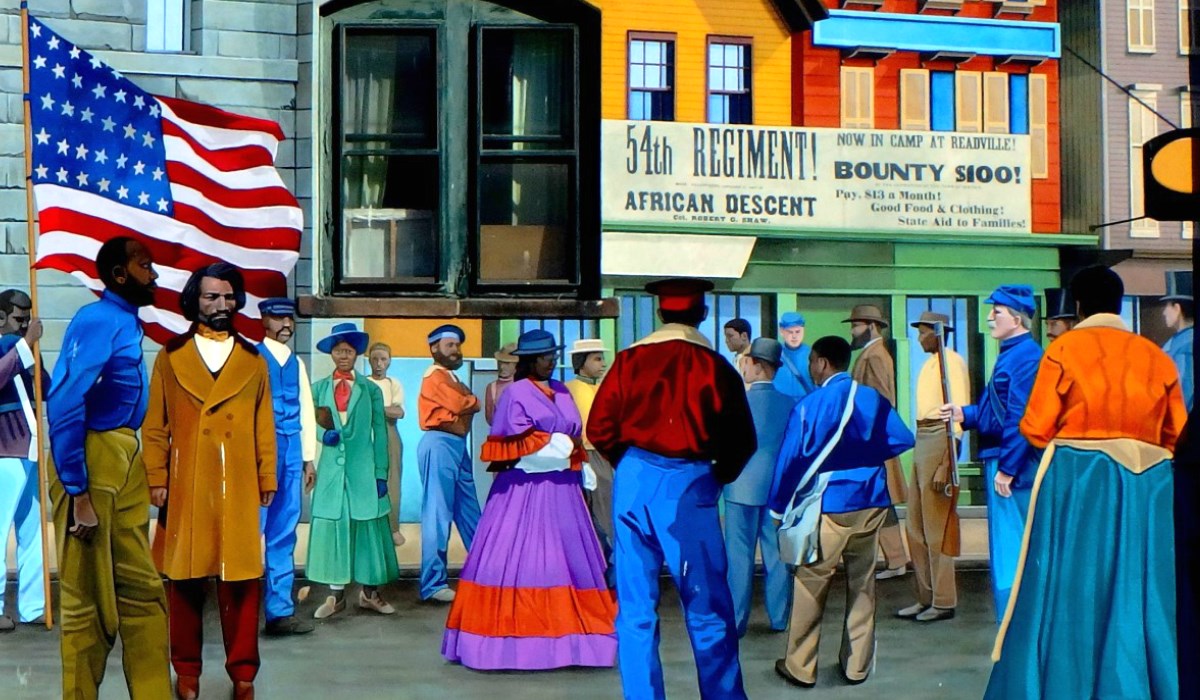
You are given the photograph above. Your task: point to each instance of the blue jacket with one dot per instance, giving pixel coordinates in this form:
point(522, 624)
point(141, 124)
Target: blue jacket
point(996, 416)
point(874, 434)
point(770, 409)
point(793, 378)
point(1179, 347)
point(100, 383)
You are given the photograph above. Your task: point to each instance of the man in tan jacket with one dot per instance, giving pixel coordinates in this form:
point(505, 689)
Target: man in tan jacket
point(210, 460)
point(876, 369)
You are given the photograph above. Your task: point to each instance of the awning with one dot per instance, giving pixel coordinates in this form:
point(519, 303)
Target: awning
point(675, 255)
point(1147, 277)
point(851, 30)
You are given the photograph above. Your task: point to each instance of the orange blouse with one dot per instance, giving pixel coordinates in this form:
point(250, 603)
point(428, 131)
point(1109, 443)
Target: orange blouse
point(445, 403)
point(1100, 381)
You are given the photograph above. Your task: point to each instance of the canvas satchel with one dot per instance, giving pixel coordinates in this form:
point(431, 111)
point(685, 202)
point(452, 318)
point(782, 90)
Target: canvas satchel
point(800, 530)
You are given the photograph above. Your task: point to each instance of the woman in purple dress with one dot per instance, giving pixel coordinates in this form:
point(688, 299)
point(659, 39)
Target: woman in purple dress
point(532, 594)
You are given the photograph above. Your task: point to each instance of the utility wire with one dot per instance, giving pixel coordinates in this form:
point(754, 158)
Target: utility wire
point(1119, 86)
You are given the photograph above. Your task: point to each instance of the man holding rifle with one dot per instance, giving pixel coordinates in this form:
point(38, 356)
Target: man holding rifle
point(933, 538)
point(1010, 461)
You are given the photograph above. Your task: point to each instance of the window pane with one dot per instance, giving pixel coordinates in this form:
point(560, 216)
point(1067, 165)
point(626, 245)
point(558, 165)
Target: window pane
point(526, 223)
point(716, 53)
point(637, 51)
point(389, 217)
point(653, 51)
point(528, 90)
point(718, 109)
point(390, 88)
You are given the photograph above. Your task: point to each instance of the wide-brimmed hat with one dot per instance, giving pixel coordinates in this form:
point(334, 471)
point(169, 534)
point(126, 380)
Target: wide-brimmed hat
point(536, 342)
point(347, 333)
point(932, 318)
point(1179, 286)
point(768, 350)
point(505, 354)
point(587, 347)
point(869, 313)
point(1059, 303)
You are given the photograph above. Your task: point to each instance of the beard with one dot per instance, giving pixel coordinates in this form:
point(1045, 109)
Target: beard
point(448, 361)
point(220, 321)
point(136, 294)
point(857, 342)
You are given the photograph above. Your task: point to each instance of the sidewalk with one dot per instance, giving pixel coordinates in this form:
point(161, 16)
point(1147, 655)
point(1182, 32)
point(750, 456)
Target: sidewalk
point(973, 519)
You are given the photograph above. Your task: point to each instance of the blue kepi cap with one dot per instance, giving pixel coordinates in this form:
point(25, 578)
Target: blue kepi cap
point(1018, 297)
point(447, 331)
point(791, 319)
point(277, 306)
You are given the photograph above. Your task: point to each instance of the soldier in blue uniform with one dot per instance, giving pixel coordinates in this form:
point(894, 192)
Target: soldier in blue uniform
point(1180, 316)
point(854, 430)
point(793, 379)
point(747, 523)
point(296, 445)
point(1009, 459)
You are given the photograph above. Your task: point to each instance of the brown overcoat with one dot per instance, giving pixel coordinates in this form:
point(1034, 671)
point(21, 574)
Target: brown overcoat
point(875, 368)
point(211, 444)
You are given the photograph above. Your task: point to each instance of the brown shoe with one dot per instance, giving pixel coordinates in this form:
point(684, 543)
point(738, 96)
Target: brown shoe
point(7, 624)
point(243, 690)
point(376, 603)
point(187, 687)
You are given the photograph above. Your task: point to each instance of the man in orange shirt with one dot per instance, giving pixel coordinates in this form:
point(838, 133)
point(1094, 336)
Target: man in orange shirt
point(446, 406)
point(1092, 612)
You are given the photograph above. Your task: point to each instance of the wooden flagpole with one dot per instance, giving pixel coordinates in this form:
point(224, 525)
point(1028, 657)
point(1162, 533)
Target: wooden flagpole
point(43, 472)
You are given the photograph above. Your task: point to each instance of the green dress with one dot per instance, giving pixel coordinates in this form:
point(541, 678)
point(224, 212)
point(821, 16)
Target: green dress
point(350, 538)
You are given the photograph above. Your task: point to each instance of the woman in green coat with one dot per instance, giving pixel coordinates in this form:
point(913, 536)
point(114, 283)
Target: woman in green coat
point(350, 538)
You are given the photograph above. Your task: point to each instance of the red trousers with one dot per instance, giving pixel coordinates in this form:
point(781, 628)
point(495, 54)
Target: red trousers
point(238, 602)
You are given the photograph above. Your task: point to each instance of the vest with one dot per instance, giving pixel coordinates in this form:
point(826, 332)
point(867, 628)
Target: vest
point(10, 400)
point(285, 391)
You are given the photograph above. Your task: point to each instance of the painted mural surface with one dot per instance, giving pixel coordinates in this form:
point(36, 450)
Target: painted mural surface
point(814, 178)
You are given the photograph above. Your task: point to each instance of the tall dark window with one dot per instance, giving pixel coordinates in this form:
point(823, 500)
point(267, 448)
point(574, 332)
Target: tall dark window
point(729, 99)
point(651, 77)
point(390, 162)
point(566, 331)
point(528, 154)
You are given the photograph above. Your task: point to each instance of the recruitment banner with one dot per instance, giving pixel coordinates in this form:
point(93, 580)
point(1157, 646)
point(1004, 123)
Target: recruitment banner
point(761, 177)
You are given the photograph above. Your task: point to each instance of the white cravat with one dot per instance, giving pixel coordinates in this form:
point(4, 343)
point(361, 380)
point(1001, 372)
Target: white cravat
point(215, 353)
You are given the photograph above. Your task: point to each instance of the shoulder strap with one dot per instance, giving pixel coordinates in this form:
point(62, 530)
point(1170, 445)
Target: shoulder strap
point(791, 367)
point(815, 467)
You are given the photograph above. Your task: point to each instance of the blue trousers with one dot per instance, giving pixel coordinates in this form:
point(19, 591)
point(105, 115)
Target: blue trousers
point(1006, 529)
point(449, 481)
point(666, 511)
point(278, 522)
point(20, 507)
point(748, 527)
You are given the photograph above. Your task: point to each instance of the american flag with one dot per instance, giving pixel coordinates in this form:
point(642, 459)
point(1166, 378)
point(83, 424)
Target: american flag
point(194, 183)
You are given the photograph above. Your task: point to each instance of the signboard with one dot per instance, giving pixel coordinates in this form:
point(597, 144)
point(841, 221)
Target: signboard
point(760, 177)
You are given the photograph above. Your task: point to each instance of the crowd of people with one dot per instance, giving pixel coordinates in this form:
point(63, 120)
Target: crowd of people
point(671, 457)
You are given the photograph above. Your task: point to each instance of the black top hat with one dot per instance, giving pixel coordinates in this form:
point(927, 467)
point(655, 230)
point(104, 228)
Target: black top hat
point(1179, 286)
point(1059, 303)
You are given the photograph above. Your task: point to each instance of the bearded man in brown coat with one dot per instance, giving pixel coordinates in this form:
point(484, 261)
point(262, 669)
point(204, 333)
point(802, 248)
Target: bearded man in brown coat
point(210, 459)
point(876, 369)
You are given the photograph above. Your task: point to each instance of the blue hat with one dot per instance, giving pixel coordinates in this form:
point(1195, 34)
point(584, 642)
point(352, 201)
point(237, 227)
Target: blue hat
point(1018, 297)
point(348, 333)
point(447, 331)
point(277, 306)
point(536, 342)
point(791, 319)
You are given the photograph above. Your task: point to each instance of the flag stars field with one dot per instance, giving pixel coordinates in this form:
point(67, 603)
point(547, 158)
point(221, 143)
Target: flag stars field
point(194, 183)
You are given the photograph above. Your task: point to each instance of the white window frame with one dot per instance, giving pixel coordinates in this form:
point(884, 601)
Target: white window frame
point(1143, 126)
point(1185, 29)
point(855, 113)
point(168, 24)
point(996, 113)
point(962, 121)
point(1185, 122)
point(1139, 14)
point(915, 105)
point(1039, 125)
